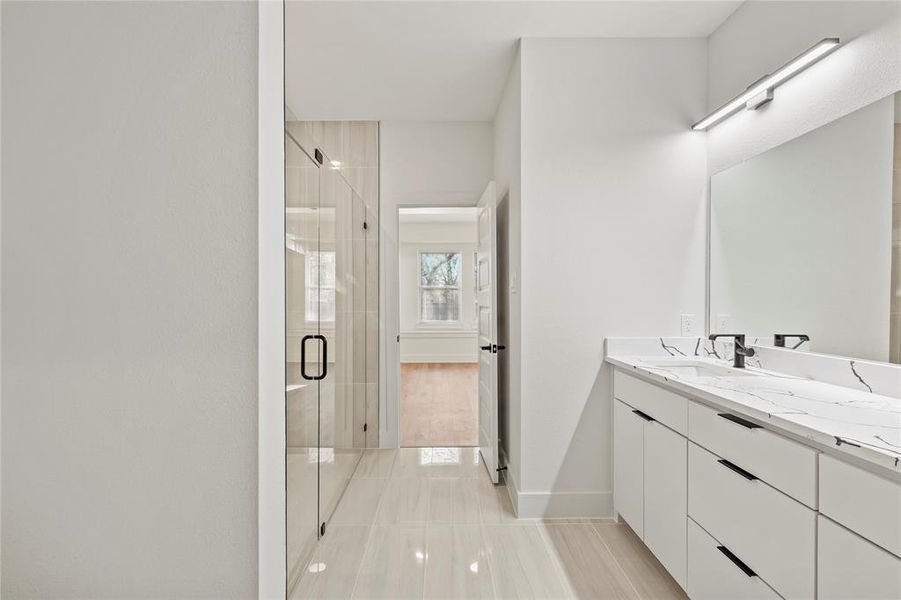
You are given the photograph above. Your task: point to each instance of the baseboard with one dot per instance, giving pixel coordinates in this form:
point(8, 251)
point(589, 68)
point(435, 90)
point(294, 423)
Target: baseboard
point(439, 334)
point(561, 505)
point(439, 358)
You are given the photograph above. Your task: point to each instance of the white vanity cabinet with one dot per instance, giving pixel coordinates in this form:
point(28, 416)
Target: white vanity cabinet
point(714, 573)
point(858, 533)
point(769, 532)
point(852, 568)
point(665, 497)
point(628, 466)
point(861, 501)
point(650, 462)
point(733, 509)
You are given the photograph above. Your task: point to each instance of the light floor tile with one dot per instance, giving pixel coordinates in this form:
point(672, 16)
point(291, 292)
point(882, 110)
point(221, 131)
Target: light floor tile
point(520, 564)
point(333, 570)
point(648, 576)
point(587, 566)
point(456, 462)
point(375, 464)
point(457, 563)
point(454, 500)
point(412, 462)
point(404, 501)
point(438, 463)
point(417, 534)
point(394, 563)
point(359, 503)
point(494, 504)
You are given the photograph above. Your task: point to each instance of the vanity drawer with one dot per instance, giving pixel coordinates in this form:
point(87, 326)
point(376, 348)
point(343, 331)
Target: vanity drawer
point(773, 534)
point(713, 575)
point(849, 567)
point(662, 405)
point(784, 464)
point(861, 501)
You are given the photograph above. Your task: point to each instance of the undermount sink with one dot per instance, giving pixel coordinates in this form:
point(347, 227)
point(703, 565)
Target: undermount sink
point(696, 368)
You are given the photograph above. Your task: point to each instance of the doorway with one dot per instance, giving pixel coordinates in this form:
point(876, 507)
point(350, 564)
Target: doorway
point(438, 404)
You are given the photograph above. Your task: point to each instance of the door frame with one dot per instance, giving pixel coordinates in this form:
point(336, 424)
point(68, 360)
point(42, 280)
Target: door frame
point(392, 328)
point(271, 501)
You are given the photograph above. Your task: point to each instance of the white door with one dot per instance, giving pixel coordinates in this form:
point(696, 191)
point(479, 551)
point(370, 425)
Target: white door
point(486, 286)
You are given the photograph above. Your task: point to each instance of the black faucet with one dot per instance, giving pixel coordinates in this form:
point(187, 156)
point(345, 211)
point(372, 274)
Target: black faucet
point(741, 351)
point(779, 339)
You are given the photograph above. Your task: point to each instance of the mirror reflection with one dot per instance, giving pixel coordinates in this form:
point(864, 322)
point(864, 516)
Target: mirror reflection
point(805, 240)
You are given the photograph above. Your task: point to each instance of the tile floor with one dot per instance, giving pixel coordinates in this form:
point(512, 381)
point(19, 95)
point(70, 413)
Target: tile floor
point(428, 523)
point(305, 488)
point(439, 404)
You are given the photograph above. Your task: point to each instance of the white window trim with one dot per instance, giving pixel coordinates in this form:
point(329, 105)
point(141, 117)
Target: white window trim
point(422, 323)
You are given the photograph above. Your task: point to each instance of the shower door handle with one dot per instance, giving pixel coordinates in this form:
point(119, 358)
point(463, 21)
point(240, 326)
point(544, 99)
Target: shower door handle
point(303, 357)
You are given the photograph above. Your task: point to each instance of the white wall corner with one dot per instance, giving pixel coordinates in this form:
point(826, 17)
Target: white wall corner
point(272, 560)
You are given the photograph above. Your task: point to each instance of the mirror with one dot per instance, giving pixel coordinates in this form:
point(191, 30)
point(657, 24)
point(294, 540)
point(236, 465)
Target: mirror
point(806, 239)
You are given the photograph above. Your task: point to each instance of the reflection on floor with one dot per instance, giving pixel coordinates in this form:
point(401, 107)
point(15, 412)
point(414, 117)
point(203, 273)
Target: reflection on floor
point(428, 523)
point(439, 404)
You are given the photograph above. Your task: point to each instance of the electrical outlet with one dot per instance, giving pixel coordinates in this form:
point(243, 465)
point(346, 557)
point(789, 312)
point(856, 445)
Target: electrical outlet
point(689, 325)
point(723, 323)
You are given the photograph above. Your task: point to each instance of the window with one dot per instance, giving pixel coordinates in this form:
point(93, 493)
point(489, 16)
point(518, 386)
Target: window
point(439, 286)
point(320, 286)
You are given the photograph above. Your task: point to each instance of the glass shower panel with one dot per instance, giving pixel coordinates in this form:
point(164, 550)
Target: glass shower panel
point(342, 396)
point(331, 269)
point(302, 191)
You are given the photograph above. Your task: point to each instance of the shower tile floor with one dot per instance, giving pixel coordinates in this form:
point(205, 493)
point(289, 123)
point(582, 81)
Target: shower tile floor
point(428, 523)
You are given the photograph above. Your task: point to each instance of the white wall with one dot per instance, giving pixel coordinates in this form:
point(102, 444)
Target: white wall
point(431, 342)
point(507, 177)
point(613, 229)
point(422, 164)
point(801, 237)
point(760, 36)
point(129, 283)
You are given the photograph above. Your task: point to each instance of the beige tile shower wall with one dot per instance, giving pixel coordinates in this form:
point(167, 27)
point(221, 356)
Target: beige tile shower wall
point(895, 321)
point(352, 147)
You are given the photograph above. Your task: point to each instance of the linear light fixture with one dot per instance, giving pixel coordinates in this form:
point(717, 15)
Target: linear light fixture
point(761, 91)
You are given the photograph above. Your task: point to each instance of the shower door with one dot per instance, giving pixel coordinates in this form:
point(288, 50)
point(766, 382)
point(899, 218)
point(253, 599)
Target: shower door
point(331, 283)
point(304, 347)
point(338, 275)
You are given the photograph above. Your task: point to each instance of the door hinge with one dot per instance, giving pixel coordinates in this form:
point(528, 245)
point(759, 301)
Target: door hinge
point(504, 468)
point(398, 339)
point(365, 225)
point(318, 154)
point(322, 529)
point(365, 427)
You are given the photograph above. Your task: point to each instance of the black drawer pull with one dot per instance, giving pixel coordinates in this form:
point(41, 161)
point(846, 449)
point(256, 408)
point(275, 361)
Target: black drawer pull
point(644, 416)
point(738, 421)
point(745, 568)
point(737, 469)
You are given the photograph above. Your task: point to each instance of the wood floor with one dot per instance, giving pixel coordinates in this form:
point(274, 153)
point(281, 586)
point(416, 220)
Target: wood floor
point(428, 523)
point(439, 404)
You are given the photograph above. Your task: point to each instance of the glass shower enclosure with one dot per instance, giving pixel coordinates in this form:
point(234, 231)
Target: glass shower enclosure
point(331, 320)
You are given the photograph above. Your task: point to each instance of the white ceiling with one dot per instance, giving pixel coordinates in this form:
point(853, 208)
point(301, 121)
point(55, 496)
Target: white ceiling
point(447, 60)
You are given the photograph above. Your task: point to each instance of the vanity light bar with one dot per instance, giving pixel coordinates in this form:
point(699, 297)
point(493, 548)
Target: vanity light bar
point(761, 92)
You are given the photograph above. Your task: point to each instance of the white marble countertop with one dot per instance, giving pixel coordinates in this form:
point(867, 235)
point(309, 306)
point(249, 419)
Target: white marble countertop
point(837, 419)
